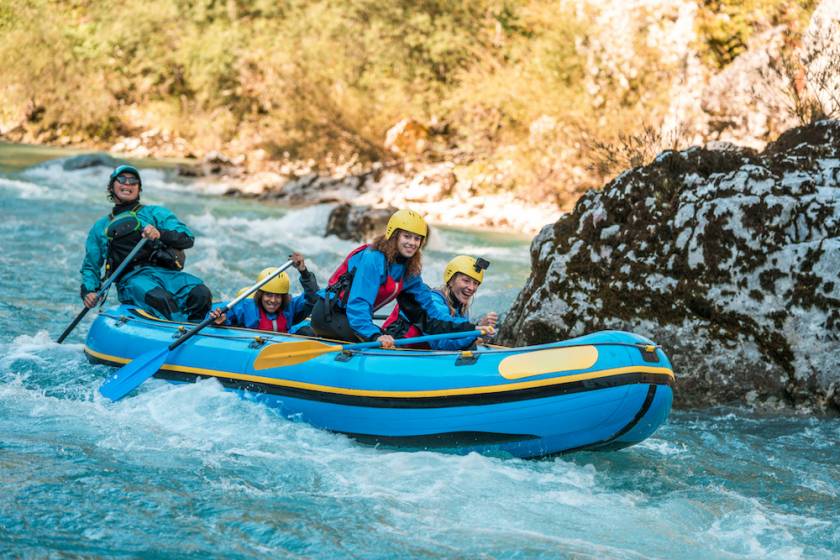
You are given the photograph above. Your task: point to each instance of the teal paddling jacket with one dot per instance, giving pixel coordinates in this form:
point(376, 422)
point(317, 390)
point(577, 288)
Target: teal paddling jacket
point(96, 246)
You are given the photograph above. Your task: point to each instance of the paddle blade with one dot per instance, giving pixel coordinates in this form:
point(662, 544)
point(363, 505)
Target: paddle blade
point(291, 353)
point(133, 374)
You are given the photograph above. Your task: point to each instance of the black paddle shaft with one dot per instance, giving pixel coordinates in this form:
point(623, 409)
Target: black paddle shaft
point(103, 289)
point(72, 325)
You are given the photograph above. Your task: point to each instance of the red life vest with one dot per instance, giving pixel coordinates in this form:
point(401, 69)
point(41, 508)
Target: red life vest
point(342, 279)
point(275, 325)
point(412, 331)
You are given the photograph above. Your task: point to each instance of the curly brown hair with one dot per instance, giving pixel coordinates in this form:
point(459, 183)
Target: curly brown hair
point(388, 247)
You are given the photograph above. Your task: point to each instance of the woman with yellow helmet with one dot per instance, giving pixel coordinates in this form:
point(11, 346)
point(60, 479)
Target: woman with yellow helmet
point(461, 279)
point(372, 276)
point(272, 308)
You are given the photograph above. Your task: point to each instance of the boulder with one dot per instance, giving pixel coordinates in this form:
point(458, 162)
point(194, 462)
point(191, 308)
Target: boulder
point(727, 258)
point(189, 170)
point(85, 161)
point(315, 189)
point(357, 223)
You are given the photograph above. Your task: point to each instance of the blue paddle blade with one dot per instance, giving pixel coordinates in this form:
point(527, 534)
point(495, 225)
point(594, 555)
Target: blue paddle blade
point(133, 374)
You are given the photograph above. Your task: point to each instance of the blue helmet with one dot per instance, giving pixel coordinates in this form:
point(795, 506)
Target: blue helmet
point(125, 169)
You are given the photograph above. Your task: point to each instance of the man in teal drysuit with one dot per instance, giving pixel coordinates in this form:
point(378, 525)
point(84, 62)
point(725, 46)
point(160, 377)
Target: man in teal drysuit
point(153, 280)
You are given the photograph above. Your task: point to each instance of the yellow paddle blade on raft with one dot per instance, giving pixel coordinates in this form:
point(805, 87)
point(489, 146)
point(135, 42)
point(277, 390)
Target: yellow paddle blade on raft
point(291, 353)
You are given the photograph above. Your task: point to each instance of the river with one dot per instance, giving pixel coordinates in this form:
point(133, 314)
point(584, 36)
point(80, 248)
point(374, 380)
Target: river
point(192, 471)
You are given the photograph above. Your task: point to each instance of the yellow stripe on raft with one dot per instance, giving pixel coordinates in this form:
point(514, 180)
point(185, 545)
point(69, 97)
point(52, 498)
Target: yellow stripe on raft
point(400, 394)
point(553, 360)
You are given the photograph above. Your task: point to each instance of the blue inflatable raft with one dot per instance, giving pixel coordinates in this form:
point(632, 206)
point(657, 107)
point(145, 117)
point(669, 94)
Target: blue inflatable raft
point(605, 390)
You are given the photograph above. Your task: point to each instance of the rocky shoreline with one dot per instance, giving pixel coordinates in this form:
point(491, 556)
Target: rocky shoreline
point(436, 191)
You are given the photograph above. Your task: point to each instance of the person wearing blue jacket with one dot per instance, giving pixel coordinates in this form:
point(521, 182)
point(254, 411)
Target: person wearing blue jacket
point(154, 280)
point(372, 276)
point(272, 308)
point(461, 279)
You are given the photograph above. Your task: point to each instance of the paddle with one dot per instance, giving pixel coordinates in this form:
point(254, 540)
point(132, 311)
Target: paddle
point(104, 289)
point(291, 353)
point(131, 375)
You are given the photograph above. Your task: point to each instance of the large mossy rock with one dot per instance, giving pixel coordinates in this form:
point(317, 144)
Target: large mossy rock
point(727, 258)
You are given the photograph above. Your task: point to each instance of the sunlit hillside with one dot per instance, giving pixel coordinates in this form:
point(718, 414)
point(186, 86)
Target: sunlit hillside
point(545, 98)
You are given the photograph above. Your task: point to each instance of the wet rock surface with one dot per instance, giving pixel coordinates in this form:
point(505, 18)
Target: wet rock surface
point(316, 189)
point(84, 161)
point(357, 223)
point(727, 258)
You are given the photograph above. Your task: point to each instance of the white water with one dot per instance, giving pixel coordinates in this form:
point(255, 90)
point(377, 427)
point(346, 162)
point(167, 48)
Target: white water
point(194, 471)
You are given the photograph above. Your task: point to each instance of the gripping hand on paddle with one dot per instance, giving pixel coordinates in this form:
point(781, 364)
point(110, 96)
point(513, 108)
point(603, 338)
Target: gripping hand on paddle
point(386, 341)
point(219, 316)
point(90, 300)
point(486, 332)
point(298, 263)
point(151, 232)
point(489, 319)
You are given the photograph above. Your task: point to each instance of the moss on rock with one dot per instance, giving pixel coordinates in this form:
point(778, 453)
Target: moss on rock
point(729, 258)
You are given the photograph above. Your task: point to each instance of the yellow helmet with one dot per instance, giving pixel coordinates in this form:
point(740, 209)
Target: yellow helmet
point(242, 291)
point(407, 220)
point(277, 285)
point(471, 266)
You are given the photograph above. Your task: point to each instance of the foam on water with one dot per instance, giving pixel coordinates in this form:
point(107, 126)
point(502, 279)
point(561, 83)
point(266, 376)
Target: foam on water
point(302, 230)
point(24, 189)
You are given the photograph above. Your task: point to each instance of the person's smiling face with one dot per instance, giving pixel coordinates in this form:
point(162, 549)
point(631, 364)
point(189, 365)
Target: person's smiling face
point(272, 302)
point(408, 243)
point(126, 187)
point(463, 287)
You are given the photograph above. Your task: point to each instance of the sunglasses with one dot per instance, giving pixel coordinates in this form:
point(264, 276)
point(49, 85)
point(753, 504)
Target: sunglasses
point(127, 180)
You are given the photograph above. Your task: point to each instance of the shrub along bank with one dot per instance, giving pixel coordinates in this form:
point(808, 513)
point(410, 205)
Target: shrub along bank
point(525, 93)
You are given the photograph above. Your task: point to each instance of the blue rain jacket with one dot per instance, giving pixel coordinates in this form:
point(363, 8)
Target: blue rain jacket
point(439, 302)
point(440, 307)
point(371, 270)
point(246, 313)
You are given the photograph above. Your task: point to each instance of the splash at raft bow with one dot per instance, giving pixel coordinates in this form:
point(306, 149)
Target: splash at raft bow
point(605, 390)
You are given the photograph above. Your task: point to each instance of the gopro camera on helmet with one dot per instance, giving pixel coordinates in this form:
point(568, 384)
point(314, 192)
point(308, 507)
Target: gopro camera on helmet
point(481, 264)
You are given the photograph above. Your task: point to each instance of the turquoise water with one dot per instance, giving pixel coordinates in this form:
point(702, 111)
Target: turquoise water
point(194, 472)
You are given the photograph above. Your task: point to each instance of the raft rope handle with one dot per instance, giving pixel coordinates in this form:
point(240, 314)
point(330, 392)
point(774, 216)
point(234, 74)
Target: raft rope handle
point(476, 353)
point(125, 318)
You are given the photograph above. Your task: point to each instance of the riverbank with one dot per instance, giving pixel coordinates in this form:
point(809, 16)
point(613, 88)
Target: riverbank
point(445, 193)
